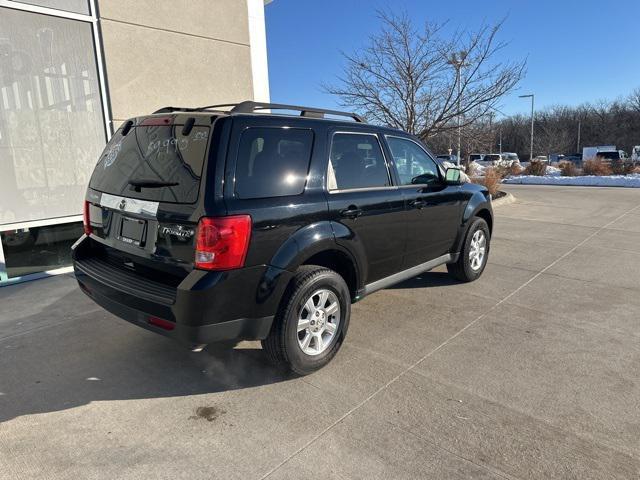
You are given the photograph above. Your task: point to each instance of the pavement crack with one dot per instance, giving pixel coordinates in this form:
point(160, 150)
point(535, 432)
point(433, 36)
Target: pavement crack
point(488, 467)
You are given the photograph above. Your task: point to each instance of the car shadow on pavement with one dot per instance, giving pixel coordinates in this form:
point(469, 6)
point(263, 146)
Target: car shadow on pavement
point(62, 360)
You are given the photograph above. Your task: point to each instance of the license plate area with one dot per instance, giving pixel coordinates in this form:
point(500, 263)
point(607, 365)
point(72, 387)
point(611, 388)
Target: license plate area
point(133, 231)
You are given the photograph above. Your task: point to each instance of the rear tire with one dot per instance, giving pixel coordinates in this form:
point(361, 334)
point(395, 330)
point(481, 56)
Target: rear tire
point(312, 321)
point(474, 252)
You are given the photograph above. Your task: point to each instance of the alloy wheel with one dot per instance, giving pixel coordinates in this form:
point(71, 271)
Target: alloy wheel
point(478, 250)
point(318, 322)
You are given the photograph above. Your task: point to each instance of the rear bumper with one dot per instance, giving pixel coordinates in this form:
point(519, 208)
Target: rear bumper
point(205, 307)
point(238, 329)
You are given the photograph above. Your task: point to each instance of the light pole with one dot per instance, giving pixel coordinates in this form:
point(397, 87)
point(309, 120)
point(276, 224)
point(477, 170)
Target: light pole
point(493, 138)
point(579, 131)
point(500, 130)
point(458, 61)
point(531, 96)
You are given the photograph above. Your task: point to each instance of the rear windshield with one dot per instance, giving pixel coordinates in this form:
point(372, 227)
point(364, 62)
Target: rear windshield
point(138, 164)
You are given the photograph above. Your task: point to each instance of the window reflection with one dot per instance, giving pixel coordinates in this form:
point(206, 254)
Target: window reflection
point(51, 119)
point(37, 249)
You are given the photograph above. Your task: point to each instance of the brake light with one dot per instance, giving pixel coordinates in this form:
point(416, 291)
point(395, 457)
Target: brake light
point(86, 220)
point(150, 121)
point(222, 242)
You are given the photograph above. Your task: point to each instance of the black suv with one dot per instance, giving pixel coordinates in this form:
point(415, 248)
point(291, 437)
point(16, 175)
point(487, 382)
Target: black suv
point(207, 224)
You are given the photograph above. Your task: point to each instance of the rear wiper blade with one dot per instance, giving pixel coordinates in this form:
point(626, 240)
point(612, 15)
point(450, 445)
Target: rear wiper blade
point(142, 183)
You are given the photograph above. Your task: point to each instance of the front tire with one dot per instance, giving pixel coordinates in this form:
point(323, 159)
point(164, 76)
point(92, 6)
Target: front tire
point(474, 252)
point(312, 321)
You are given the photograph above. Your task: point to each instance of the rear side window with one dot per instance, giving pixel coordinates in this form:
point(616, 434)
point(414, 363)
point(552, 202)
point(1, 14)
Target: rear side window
point(160, 156)
point(356, 161)
point(272, 162)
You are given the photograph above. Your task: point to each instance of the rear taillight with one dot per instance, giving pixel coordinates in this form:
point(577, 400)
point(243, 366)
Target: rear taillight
point(86, 220)
point(222, 242)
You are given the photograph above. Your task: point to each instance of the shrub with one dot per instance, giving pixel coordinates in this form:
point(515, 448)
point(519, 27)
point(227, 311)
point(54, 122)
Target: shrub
point(515, 169)
point(500, 170)
point(620, 167)
point(596, 167)
point(568, 169)
point(504, 171)
point(491, 180)
point(636, 170)
point(536, 168)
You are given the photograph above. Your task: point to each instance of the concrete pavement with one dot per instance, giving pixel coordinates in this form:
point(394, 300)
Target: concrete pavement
point(530, 372)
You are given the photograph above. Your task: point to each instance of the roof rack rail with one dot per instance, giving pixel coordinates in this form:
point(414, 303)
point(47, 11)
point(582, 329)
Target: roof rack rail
point(313, 112)
point(251, 107)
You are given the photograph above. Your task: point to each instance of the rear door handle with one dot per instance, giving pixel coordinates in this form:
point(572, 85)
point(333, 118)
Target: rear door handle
point(419, 204)
point(351, 212)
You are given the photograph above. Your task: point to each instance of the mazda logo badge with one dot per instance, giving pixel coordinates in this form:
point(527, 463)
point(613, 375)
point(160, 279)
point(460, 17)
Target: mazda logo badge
point(123, 204)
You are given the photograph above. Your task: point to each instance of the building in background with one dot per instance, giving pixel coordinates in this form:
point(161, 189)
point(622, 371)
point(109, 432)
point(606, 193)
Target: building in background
point(72, 70)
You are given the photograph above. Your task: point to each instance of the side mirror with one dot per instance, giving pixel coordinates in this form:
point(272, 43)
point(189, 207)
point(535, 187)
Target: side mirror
point(452, 176)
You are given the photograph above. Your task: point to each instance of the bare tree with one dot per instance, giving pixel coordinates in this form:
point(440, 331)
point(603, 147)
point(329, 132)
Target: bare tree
point(634, 99)
point(406, 78)
point(602, 122)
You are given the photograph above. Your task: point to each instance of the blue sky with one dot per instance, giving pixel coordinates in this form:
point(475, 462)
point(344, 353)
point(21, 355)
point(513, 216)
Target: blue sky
point(577, 51)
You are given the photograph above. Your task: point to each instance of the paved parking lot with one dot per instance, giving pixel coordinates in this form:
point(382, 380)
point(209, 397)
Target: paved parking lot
point(531, 372)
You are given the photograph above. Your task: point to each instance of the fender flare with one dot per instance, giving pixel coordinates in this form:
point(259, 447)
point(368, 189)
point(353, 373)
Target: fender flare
point(317, 238)
point(477, 203)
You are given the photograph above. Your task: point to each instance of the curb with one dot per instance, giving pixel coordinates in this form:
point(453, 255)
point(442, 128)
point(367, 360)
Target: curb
point(508, 199)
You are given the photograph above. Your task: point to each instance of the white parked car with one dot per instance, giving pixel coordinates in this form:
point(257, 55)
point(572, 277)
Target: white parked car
point(499, 160)
point(510, 156)
point(541, 158)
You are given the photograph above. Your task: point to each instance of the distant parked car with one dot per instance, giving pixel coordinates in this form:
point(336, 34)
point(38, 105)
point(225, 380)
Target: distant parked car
point(511, 157)
point(589, 153)
point(448, 158)
point(541, 158)
point(612, 155)
point(575, 158)
point(477, 157)
point(499, 160)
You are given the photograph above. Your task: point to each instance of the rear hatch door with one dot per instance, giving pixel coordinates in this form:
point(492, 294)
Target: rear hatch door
point(146, 190)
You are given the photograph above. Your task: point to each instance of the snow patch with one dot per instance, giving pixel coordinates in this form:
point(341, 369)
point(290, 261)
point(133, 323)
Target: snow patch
point(553, 171)
point(632, 181)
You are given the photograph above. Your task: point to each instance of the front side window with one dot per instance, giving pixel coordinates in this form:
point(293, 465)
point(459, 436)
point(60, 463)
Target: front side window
point(273, 162)
point(356, 161)
point(414, 166)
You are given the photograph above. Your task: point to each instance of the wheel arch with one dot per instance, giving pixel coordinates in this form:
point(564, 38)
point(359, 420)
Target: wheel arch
point(316, 245)
point(487, 217)
point(478, 206)
point(340, 262)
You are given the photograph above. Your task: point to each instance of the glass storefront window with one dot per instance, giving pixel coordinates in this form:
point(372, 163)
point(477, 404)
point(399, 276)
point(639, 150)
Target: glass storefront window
point(37, 249)
point(51, 118)
point(75, 6)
